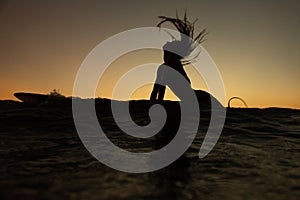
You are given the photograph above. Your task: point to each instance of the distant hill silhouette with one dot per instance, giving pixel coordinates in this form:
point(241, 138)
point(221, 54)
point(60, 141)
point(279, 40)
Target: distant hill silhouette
point(204, 98)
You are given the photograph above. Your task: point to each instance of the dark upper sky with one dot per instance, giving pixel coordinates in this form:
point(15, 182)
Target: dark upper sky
point(254, 43)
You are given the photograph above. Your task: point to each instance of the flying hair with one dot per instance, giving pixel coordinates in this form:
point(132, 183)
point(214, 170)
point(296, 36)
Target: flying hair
point(187, 28)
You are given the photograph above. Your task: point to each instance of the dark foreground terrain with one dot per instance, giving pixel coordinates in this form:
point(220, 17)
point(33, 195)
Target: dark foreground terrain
point(42, 157)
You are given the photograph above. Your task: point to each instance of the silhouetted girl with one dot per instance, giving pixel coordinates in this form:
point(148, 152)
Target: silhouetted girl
point(173, 60)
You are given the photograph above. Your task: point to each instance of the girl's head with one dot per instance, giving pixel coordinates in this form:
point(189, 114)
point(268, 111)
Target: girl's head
point(170, 51)
point(187, 43)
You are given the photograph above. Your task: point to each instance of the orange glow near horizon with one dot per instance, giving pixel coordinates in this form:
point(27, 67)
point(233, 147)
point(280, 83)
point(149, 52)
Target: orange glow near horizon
point(254, 98)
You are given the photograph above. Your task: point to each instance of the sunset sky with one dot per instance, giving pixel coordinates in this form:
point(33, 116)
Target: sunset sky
point(255, 44)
